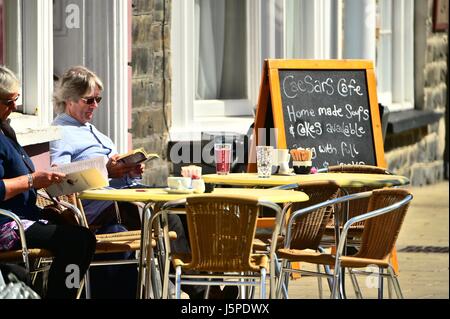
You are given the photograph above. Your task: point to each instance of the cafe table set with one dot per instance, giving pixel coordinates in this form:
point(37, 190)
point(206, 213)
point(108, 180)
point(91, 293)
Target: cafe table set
point(255, 185)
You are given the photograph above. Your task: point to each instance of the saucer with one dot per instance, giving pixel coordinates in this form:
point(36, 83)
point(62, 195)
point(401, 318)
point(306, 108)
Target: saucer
point(286, 173)
point(179, 191)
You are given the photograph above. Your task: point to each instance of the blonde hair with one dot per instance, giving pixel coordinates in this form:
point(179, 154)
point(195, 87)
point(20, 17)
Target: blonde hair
point(74, 84)
point(8, 82)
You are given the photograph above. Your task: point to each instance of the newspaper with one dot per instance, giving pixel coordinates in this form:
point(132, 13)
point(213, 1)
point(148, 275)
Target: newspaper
point(80, 176)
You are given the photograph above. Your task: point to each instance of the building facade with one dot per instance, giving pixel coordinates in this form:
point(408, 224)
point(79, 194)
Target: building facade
point(174, 69)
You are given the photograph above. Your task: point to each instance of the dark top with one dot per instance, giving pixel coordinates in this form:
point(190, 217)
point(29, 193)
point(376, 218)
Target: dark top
point(13, 163)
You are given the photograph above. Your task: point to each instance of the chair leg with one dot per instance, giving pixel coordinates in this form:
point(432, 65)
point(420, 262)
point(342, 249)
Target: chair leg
point(80, 290)
point(319, 283)
point(87, 284)
point(178, 282)
point(380, 283)
point(395, 283)
point(355, 284)
point(281, 280)
point(335, 293)
point(327, 270)
point(263, 284)
point(155, 281)
point(389, 283)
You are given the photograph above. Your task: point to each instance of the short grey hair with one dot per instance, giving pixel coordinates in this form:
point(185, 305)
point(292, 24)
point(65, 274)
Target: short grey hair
point(74, 84)
point(8, 81)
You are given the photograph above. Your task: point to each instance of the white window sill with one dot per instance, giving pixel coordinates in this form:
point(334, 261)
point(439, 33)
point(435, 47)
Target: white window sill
point(28, 131)
point(193, 131)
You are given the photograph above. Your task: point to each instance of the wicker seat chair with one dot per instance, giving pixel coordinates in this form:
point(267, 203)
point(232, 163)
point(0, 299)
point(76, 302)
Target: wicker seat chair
point(356, 207)
point(128, 241)
point(387, 209)
point(307, 230)
point(221, 234)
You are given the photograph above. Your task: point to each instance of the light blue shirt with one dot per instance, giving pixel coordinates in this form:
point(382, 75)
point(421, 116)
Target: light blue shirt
point(81, 142)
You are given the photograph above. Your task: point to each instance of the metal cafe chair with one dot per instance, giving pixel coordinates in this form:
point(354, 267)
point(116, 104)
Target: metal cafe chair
point(128, 241)
point(35, 260)
point(221, 234)
point(310, 229)
point(386, 211)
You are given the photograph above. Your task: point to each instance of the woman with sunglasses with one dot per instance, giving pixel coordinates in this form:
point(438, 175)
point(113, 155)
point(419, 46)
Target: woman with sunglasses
point(76, 99)
point(71, 245)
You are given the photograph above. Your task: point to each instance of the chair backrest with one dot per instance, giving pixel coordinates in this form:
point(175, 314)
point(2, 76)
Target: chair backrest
point(368, 169)
point(308, 229)
point(221, 232)
point(381, 232)
point(357, 207)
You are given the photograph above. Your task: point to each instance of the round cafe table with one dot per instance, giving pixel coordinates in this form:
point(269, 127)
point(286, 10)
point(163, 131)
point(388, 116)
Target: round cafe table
point(344, 180)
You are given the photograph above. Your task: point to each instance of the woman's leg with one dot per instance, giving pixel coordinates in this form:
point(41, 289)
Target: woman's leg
point(72, 246)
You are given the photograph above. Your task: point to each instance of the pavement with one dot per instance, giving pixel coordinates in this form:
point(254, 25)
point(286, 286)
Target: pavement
point(422, 249)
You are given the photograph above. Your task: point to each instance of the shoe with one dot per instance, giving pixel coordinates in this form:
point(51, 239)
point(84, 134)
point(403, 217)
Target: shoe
point(230, 292)
point(215, 293)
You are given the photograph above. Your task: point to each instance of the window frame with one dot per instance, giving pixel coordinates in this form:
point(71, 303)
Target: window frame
point(395, 58)
point(29, 25)
point(190, 116)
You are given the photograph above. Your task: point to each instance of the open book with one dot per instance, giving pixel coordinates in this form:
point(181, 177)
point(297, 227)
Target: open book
point(80, 176)
point(137, 156)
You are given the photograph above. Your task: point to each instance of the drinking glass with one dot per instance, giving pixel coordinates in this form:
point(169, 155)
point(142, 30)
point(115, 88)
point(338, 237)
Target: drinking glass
point(264, 161)
point(222, 156)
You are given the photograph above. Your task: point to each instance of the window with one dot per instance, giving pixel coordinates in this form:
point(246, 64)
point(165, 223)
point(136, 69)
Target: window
point(395, 54)
point(218, 48)
point(1, 33)
point(28, 52)
point(216, 65)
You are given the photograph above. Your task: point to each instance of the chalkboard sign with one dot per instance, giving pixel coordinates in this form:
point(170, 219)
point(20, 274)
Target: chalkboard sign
point(328, 106)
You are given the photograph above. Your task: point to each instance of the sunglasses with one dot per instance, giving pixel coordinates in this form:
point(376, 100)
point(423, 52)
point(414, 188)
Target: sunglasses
point(10, 102)
point(91, 100)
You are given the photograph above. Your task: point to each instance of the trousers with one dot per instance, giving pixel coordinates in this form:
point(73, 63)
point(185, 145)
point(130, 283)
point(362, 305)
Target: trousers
point(73, 248)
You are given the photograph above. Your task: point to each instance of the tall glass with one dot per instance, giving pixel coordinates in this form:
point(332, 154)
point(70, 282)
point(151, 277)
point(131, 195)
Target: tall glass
point(222, 156)
point(264, 161)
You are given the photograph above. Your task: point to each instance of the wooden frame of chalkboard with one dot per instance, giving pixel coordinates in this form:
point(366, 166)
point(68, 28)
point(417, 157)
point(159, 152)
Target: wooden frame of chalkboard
point(329, 106)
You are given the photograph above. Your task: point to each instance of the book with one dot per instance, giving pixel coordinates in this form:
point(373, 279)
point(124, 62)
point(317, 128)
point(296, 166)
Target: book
point(80, 176)
point(137, 156)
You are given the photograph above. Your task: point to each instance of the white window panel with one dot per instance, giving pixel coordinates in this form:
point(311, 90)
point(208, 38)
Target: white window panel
point(191, 114)
point(395, 54)
point(29, 53)
point(313, 29)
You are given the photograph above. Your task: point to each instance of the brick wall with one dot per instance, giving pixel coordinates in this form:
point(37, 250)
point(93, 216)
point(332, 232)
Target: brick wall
point(418, 153)
point(151, 84)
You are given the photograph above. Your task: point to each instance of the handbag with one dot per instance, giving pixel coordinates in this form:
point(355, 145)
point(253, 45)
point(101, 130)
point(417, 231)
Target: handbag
point(15, 289)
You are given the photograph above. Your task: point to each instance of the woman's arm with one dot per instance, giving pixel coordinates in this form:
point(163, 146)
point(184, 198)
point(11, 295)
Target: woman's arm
point(20, 184)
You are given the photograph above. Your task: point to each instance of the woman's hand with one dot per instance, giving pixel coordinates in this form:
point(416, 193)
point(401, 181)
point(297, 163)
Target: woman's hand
point(20, 184)
point(44, 179)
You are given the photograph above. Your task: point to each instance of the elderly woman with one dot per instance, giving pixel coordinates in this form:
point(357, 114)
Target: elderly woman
point(77, 98)
point(71, 245)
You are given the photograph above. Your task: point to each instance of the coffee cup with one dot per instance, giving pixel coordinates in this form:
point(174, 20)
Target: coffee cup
point(179, 182)
point(198, 185)
point(280, 155)
point(284, 167)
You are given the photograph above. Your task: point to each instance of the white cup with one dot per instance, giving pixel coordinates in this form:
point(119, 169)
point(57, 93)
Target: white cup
point(198, 185)
point(280, 155)
point(179, 182)
point(284, 167)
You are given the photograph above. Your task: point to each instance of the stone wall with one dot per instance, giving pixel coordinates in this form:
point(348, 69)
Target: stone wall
point(418, 153)
point(151, 84)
